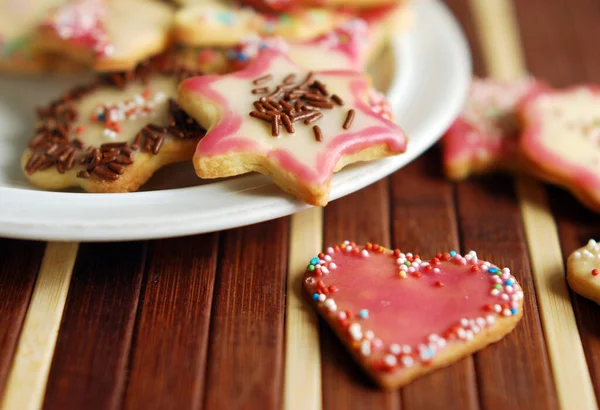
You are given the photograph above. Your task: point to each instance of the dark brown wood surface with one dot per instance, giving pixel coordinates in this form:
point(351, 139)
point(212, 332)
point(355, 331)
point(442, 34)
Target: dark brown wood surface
point(19, 264)
point(198, 322)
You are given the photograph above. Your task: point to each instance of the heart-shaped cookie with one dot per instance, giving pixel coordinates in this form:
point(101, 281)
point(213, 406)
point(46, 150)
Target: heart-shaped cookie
point(402, 317)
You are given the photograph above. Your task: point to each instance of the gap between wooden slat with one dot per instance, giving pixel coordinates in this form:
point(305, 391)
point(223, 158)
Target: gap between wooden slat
point(28, 376)
point(498, 32)
point(302, 388)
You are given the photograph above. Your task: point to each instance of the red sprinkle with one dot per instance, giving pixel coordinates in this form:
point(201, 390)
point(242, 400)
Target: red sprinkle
point(595, 272)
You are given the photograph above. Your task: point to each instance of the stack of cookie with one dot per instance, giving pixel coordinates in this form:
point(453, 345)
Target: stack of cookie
point(525, 126)
point(111, 135)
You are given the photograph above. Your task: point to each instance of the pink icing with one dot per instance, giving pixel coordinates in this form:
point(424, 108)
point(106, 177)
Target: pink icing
point(222, 137)
point(549, 161)
point(443, 301)
point(486, 131)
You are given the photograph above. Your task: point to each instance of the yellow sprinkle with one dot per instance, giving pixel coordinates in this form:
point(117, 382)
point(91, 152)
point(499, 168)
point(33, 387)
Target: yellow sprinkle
point(402, 274)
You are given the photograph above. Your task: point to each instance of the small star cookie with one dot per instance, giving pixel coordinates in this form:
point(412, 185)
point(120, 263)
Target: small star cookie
point(107, 35)
point(287, 5)
point(401, 316)
point(113, 134)
point(561, 139)
point(485, 136)
point(213, 23)
point(583, 270)
point(280, 120)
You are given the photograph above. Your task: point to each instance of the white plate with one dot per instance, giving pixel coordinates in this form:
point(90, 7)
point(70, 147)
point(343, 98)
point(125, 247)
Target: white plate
point(433, 71)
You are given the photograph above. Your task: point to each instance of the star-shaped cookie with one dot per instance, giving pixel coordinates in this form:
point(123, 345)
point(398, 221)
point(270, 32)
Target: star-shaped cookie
point(286, 122)
point(108, 35)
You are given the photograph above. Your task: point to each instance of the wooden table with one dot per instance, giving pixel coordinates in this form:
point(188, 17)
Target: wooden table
point(200, 322)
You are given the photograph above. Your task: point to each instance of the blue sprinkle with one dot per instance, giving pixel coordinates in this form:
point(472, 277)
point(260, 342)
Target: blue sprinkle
point(364, 313)
point(315, 296)
point(427, 353)
point(513, 311)
point(493, 269)
point(101, 117)
point(242, 57)
point(314, 261)
point(509, 282)
point(452, 253)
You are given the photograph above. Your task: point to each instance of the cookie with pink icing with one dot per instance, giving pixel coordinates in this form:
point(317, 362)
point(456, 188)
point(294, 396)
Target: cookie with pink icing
point(107, 35)
point(583, 271)
point(401, 316)
point(286, 122)
point(561, 139)
point(213, 23)
point(485, 136)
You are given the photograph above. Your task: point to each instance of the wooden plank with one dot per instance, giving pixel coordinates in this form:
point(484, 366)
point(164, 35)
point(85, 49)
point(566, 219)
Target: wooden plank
point(29, 373)
point(496, 234)
point(424, 222)
point(302, 389)
point(573, 59)
point(19, 264)
point(490, 224)
point(500, 37)
point(171, 336)
point(576, 225)
point(245, 350)
point(360, 217)
point(89, 366)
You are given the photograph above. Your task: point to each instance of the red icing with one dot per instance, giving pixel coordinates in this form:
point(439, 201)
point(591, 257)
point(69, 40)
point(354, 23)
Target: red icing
point(575, 175)
point(407, 311)
point(222, 138)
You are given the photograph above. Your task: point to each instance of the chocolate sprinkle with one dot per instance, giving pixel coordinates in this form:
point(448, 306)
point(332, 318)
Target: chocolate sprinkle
point(55, 142)
point(318, 133)
point(349, 119)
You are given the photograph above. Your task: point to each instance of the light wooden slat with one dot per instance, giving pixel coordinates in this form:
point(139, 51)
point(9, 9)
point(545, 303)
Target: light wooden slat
point(499, 35)
point(27, 380)
point(302, 389)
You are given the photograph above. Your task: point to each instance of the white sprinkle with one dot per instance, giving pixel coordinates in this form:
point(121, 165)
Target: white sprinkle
point(364, 253)
point(327, 258)
point(365, 348)
point(407, 361)
point(346, 242)
point(332, 266)
point(330, 304)
point(369, 335)
point(497, 308)
point(469, 335)
point(461, 333)
point(324, 270)
point(395, 348)
point(433, 338)
point(507, 312)
point(436, 270)
point(505, 297)
point(406, 349)
point(480, 322)
point(348, 248)
point(506, 270)
point(464, 322)
point(342, 315)
point(322, 298)
point(355, 331)
point(330, 250)
point(495, 292)
point(390, 360)
point(490, 319)
point(476, 329)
